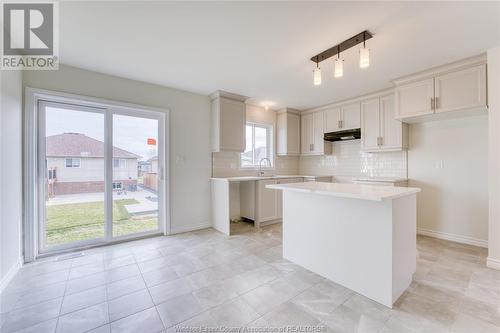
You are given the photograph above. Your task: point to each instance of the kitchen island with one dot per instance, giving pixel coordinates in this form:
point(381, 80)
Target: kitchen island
point(360, 236)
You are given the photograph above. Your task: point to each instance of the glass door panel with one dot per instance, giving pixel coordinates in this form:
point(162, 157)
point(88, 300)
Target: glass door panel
point(73, 175)
point(136, 175)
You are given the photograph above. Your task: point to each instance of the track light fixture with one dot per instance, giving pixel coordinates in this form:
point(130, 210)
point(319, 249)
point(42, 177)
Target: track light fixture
point(364, 56)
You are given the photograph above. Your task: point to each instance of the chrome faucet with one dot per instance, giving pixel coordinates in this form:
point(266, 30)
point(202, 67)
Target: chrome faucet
point(261, 173)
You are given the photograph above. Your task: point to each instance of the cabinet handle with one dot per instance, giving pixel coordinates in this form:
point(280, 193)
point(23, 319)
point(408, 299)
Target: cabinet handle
point(436, 103)
point(381, 141)
point(339, 124)
point(432, 103)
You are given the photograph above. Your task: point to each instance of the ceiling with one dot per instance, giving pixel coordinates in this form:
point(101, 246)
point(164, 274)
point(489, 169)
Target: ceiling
point(262, 49)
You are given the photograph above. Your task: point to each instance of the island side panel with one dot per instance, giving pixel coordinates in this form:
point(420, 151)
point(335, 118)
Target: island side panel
point(220, 206)
point(348, 241)
point(404, 239)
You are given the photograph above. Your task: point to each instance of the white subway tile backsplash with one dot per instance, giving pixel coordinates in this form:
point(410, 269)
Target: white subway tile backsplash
point(348, 160)
point(227, 164)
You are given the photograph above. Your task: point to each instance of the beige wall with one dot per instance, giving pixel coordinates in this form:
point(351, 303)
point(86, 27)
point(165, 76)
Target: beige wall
point(448, 160)
point(91, 169)
point(10, 173)
point(189, 132)
point(494, 157)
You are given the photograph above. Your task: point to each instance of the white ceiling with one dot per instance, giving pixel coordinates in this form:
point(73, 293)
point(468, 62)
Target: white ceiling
point(262, 49)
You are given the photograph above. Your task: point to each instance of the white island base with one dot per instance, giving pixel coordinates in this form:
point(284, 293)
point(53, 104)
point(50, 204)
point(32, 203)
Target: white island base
point(360, 236)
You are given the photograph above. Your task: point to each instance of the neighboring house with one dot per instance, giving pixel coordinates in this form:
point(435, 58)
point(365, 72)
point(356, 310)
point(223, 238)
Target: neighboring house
point(75, 164)
point(151, 177)
point(143, 167)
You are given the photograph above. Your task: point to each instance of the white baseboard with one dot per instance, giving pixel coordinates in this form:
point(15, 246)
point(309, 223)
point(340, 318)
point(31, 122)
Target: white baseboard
point(192, 227)
point(493, 263)
point(10, 274)
point(453, 237)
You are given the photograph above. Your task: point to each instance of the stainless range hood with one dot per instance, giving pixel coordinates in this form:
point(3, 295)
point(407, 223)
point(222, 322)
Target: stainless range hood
point(343, 135)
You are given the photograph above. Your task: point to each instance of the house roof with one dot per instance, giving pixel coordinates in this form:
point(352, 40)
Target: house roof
point(80, 145)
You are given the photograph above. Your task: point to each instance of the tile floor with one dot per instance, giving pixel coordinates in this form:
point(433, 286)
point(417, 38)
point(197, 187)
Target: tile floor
point(205, 278)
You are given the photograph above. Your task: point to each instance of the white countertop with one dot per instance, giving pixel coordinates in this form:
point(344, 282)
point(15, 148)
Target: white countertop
point(380, 179)
point(251, 178)
point(355, 191)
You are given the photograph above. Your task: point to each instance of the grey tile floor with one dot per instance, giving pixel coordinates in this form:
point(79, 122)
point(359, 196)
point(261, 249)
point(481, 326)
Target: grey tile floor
point(205, 278)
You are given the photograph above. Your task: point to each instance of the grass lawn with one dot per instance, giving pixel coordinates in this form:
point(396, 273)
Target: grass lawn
point(81, 221)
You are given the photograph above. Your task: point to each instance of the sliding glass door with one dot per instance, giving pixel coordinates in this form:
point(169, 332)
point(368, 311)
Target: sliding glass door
point(100, 174)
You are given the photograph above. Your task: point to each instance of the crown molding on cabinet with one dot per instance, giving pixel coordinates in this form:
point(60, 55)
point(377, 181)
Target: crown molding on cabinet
point(228, 95)
point(443, 69)
point(288, 110)
point(349, 101)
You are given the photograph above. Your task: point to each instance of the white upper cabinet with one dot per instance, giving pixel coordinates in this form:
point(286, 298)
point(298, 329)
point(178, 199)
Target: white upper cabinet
point(393, 133)
point(228, 122)
point(332, 120)
point(415, 99)
point(379, 130)
point(460, 86)
point(343, 118)
point(288, 133)
point(370, 124)
point(351, 116)
point(461, 89)
point(312, 132)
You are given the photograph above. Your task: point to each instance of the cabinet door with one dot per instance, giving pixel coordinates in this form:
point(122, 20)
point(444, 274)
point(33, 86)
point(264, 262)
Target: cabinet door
point(391, 130)
point(351, 116)
point(267, 201)
point(370, 124)
point(306, 132)
point(293, 134)
point(318, 133)
point(281, 134)
point(332, 120)
point(232, 125)
point(415, 99)
point(461, 90)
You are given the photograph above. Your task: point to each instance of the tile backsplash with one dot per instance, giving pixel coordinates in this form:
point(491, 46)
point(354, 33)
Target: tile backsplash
point(227, 164)
point(349, 161)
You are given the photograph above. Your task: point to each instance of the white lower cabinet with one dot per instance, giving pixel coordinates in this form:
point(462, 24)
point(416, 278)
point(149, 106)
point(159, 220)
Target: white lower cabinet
point(269, 205)
point(267, 202)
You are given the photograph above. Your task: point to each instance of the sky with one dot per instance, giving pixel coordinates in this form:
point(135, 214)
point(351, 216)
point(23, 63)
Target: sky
point(129, 133)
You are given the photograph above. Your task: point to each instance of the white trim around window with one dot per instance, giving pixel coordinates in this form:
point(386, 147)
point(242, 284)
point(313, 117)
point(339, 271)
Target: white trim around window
point(250, 154)
point(34, 194)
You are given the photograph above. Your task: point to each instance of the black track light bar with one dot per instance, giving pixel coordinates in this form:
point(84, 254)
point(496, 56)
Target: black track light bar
point(345, 45)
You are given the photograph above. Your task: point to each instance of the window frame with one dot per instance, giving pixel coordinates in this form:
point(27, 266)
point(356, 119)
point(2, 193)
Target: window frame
point(72, 166)
point(120, 165)
point(269, 144)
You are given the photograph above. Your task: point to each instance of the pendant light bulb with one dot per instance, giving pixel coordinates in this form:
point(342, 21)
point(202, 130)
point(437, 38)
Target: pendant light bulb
point(317, 75)
point(364, 55)
point(339, 68)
